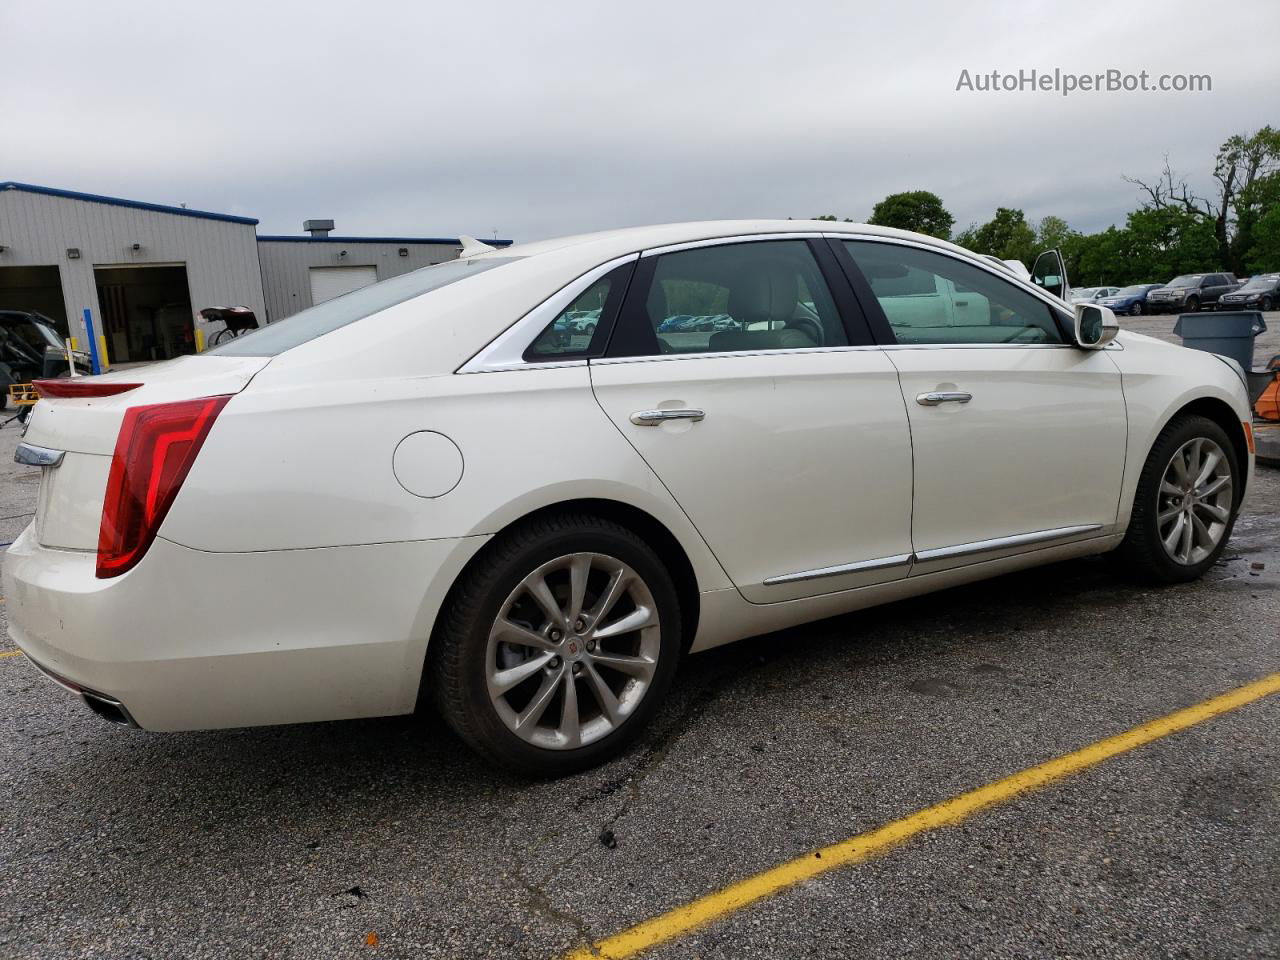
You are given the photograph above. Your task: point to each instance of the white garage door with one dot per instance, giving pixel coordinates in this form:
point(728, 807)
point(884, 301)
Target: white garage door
point(330, 282)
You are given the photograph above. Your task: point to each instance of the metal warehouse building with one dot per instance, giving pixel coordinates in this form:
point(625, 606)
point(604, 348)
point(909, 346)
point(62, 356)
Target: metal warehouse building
point(143, 271)
point(298, 272)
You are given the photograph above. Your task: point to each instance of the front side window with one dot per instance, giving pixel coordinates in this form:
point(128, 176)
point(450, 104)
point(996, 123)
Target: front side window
point(930, 298)
point(738, 297)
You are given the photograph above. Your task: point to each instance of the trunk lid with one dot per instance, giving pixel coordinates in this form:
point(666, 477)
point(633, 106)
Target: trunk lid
point(69, 507)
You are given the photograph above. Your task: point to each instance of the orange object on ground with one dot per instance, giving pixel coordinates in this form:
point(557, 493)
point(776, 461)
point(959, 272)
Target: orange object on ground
point(1267, 406)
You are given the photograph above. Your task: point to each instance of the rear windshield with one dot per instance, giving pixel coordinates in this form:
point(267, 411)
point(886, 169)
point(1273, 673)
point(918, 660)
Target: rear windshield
point(276, 338)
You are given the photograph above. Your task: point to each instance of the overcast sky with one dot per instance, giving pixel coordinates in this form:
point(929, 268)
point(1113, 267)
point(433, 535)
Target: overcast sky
point(536, 119)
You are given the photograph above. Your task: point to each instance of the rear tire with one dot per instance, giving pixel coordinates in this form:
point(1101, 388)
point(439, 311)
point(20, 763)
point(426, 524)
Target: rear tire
point(542, 604)
point(1181, 522)
point(1135, 310)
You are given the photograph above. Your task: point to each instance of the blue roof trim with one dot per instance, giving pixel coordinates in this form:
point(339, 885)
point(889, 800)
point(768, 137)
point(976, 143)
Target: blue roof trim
point(118, 202)
point(454, 241)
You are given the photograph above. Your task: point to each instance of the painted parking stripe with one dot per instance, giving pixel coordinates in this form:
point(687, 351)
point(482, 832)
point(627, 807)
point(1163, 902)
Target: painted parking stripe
point(715, 906)
point(11, 653)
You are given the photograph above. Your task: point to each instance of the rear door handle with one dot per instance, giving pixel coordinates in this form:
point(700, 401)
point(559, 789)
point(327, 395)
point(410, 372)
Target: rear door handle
point(651, 418)
point(944, 396)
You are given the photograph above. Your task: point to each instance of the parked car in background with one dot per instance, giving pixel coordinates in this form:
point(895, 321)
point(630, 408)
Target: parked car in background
point(1258, 293)
point(1131, 300)
point(535, 531)
point(31, 348)
point(1191, 291)
point(1091, 294)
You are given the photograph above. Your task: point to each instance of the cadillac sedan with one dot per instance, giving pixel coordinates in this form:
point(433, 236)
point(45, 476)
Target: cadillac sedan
point(423, 491)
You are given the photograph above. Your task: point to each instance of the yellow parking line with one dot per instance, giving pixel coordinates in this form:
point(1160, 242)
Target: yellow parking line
point(716, 906)
point(11, 653)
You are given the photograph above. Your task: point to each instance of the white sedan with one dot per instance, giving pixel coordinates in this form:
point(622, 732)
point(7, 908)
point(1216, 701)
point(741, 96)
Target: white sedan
point(424, 491)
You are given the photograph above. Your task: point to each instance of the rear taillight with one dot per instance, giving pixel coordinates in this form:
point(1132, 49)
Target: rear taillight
point(155, 450)
point(81, 388)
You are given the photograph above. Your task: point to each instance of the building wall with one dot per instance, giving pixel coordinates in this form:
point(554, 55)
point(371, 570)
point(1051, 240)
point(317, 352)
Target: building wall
point(286, 262)
point(220, 256)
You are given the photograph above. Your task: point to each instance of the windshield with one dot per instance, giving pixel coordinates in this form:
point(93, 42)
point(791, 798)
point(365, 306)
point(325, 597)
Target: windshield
point(36, 334)
point(1083, 292)
point(1259, 283)
point(326, 317)
point(1190, 280)
point(1132, 291)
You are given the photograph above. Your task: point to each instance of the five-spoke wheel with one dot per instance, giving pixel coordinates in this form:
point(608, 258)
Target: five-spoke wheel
point(1185, 504)
point(1195, 501)
point(556, 645)
point(573, 650)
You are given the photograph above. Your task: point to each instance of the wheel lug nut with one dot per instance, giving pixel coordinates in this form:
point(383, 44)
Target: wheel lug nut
point(579, 624)
point(591, 645)
point(555, 635)
point(554, 663)
point(577, 669)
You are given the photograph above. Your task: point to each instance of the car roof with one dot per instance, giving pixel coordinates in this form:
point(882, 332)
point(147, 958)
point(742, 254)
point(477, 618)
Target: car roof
point(615, 243)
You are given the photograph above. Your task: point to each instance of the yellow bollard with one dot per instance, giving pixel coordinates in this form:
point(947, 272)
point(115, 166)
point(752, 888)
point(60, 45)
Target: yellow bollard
point(199, 340)
point(102, 353)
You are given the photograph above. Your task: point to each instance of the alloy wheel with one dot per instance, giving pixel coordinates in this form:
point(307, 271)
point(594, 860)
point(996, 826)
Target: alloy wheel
point(573, 651)
point(1194, 501)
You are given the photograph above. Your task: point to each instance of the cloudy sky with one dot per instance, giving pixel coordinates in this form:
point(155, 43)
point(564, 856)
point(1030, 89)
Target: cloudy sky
point(542, 118)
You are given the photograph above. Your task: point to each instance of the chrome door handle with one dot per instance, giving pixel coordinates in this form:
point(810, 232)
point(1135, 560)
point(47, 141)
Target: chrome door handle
point(651, 418)
point(946, 396)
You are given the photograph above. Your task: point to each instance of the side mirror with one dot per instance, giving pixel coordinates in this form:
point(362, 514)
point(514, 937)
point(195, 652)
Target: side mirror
point(1095, 326)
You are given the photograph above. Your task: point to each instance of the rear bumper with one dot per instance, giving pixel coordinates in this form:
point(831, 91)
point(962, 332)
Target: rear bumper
point(190, 639)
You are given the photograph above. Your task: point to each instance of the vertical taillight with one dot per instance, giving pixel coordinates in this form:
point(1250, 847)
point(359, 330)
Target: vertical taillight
point(155, 450)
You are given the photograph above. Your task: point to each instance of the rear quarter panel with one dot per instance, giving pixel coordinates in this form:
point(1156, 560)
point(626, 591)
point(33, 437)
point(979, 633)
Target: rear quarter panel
point(311, 466)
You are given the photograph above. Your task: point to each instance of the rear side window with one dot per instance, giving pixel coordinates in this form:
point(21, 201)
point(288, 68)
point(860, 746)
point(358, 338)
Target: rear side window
point(276, 338)
point(936, 299)
point(737, 297)
point(573, 334)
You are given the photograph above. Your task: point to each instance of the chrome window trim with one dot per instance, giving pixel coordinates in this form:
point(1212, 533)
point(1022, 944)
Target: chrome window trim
point(1005, 543)
point(506, 351)
point(721, 354)
point(1062, 308)
point(880, 563)
point(725, 241)
point(600, 361)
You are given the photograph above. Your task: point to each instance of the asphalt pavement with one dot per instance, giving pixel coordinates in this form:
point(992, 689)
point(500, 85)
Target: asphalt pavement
point(386, 838)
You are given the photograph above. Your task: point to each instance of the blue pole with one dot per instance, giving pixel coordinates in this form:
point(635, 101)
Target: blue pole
point(94, 363)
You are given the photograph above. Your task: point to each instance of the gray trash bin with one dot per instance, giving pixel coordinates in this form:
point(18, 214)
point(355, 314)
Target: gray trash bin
point(1229, 333)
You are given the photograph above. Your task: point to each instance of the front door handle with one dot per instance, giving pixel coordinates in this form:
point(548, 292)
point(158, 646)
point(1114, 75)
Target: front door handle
point(651, 418)
point(944, 396)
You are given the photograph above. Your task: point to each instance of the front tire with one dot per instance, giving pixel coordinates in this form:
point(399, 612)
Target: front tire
point(1266, 305)
point(1192, 306)
point(1135, 310)
point(557, 646)
point(1185, 506)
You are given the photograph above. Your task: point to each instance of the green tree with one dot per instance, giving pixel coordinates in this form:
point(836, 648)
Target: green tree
point(917, 210)
point(1007, 236)
point(832, 217)
point(1053, 233)
point(1242, 160)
